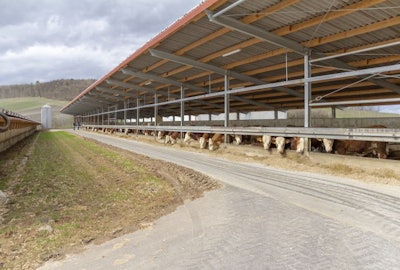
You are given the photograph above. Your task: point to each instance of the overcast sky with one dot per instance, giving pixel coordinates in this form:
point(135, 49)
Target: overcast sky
point(44, 40)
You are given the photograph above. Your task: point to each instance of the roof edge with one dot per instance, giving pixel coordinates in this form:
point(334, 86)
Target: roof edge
point(179, 23)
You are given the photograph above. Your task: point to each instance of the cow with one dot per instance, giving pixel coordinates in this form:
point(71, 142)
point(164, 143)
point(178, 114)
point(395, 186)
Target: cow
point(160, 135)
point(190, 137)
point(317, 144)
point(266, 140)
point(172, 137)
point(203, 140)
point(280, 143)
point(363, 148)
point(237, 139)
point(297, 144)
point(215, 141)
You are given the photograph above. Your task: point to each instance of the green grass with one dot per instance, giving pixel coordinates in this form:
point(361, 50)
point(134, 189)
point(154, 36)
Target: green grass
point(84, 190)
point(29, 103)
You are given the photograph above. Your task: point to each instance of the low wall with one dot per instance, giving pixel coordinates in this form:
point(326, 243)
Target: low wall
point(12, 136)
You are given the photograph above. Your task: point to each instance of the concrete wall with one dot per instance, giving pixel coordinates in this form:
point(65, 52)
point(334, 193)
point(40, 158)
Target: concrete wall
point(12, 136)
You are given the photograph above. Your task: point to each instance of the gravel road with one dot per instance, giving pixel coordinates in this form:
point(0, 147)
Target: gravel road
point(263, 218)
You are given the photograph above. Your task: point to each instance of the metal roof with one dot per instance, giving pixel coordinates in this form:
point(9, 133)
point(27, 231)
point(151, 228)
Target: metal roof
point(270, 38)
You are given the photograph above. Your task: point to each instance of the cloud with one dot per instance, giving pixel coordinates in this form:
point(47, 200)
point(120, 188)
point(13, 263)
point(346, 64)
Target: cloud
point(53, 39)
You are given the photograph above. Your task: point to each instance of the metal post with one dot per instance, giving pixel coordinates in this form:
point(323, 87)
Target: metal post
point(137, 115)
point(307, 90)
point(276, 115)
point(333, 112)
point(287, 69)
point(102, 116)
point(182, 107)
point(226, 103)
point(307, 97)
point(155, 113)
point(125, 106)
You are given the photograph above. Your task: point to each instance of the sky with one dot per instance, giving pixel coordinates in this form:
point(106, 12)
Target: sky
point(45, 40)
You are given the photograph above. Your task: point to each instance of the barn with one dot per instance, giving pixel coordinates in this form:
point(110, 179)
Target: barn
point(234, 58)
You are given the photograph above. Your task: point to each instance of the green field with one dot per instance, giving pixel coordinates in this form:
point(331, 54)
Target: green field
point(31, 106)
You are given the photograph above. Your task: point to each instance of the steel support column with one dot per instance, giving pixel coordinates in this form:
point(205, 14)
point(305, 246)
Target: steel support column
point(307, 90)
point(155, 109)
point(125, 105)
point(137, 114)
point(182, 107)
point(307, 98)
point(226, 103)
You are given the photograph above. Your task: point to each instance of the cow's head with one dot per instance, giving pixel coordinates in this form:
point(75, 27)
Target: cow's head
point(187, 137)
point(203, 143)
point(160, 134)
point(266, 139)
point(379, 149)
point(167, 139)
point(300, 145)
point(238, 139)
point(211, 145)
point(280, 144)
point(328, 144)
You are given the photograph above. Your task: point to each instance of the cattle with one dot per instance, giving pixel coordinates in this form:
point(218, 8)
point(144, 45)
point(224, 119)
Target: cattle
point(297, 144)
point(190, 137)
point(160, 135)
point(237, 139)
point(267, 140)
point(203, 140)
point(172, 137)
point(215, 141)
point(281, 143)
point(327, 144)
point(317, 144)
point(362, 148)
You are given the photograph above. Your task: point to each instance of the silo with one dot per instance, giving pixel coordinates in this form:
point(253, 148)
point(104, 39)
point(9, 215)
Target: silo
point(46, 116)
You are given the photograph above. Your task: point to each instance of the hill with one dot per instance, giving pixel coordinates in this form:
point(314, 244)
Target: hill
point(27, 99)
point(65, 89)
point(31, 108)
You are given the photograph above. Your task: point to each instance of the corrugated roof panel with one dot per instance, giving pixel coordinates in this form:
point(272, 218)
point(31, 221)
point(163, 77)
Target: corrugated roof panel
point(271, 68)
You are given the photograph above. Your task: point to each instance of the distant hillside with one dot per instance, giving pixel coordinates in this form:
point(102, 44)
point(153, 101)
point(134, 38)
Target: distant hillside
point(65, 89)
point(31, 108)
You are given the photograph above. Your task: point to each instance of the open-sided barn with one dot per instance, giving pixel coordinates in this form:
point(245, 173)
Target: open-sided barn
point(227, 56)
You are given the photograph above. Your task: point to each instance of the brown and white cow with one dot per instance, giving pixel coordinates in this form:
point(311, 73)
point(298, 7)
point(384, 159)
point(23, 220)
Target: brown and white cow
point(297, 144)
point(172, 137)
point(161, 135)
point(266, 140)
point(281, 143)
point(215, 141)
point(237, 139)
point(362, 148)
point(203, 140)
point(190, 137)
